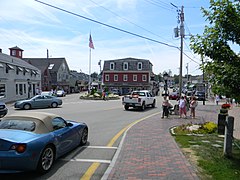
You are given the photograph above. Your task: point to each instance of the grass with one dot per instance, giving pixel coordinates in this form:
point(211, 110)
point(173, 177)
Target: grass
point(208, 159)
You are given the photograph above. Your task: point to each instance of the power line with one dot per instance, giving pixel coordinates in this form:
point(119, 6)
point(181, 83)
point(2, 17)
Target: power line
point(126, 19)
point(116, 28)
point(160, 4)
point(104, 24)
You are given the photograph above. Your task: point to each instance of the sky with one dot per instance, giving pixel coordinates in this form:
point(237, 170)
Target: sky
point(113, 24)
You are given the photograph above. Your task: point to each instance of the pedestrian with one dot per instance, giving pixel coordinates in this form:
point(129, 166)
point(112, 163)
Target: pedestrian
point(104, 95)
point(165, 107)
point(187, 103)
point(217, 99)
point(193, 105)
point(182, 107)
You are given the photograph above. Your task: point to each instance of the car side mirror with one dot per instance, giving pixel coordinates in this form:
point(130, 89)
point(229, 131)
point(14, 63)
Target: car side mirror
point(69, 124)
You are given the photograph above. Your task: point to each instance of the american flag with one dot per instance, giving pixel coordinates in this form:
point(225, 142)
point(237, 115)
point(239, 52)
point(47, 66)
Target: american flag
point(91, 42)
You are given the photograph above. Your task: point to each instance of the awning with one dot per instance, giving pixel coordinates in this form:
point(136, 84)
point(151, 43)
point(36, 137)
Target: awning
point(10, 66)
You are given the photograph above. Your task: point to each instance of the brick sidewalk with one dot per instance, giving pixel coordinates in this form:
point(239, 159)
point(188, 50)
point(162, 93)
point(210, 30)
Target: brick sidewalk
point(148, 150)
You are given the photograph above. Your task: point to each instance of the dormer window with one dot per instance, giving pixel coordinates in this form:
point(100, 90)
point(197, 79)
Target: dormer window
point(112, 66)
point(125, 66)
point(139, 66)
point(13, 52)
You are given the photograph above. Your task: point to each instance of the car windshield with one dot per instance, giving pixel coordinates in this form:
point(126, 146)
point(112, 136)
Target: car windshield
point(18, 124)
point(139, 93)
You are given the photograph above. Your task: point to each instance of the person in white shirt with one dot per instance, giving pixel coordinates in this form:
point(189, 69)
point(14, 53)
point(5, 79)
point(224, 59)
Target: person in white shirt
point(182, 107)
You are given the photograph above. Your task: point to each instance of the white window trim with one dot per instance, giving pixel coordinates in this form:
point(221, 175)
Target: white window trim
point(138, 65)
point(134, 77)
point(112, 66)
point(106, 77)
point(144, 77)
point(125, 63)
point(115, 77)
point(125, 77)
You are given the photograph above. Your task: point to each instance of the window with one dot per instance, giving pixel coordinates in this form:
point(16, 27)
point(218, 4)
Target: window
point(115, 77)
point(18, 70)
point(2, 90)
point(21, 89)
point(112, 66)
point(9, 67)
point(50, 66)
point(58, 123)
point(134, 77)
point(13, 52)
point(18, 124)
point(16, 89)
point(125, 66)
point(106, 77)
point(139, 66)
point(144, 77)
point(125, 77)
point(24, 88)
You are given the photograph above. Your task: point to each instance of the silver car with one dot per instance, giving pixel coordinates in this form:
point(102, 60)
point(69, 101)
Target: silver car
point(38, 101)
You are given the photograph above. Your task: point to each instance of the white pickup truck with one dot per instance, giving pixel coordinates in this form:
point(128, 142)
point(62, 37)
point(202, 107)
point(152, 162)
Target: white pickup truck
point(139, 99)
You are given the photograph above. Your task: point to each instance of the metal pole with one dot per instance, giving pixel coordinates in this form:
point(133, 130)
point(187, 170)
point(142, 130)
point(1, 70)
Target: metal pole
point(181, 48)
point(203, 82)
point(89, 78)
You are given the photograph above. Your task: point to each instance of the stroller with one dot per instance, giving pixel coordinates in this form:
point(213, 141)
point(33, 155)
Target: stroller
point(173, 109)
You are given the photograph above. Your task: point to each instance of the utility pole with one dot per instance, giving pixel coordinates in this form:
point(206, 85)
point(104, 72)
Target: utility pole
point(204, 87)
point(182, 34)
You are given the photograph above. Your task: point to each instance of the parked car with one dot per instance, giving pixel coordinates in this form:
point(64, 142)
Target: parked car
point(115, 91)
point(61, 93)
point(50, 93)
point(3, 109)
point(38, 101)
point(34, 140)
point(174, 96)
point(200, 95)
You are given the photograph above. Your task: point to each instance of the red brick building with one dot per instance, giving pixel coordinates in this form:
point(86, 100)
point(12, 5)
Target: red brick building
point(128, 74)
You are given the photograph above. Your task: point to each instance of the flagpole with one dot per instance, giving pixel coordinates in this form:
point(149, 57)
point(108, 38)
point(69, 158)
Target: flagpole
point(89, 78)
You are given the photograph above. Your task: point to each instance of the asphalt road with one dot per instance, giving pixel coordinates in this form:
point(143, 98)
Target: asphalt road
point(106, 121)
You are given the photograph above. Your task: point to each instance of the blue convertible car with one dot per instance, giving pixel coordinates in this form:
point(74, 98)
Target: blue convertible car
point(33, 140)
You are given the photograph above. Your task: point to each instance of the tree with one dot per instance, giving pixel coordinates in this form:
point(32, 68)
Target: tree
point(94, 76)
point(217, 43)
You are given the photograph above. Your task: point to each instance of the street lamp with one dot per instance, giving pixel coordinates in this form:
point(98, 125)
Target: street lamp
point(165, 77)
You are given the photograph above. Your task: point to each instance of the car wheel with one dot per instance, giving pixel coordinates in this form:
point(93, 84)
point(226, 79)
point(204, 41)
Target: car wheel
point(27, 106)
point(126, 107)
point(84, 137)
point(143, 106)
point(154, 104)
point(46, 160)
point(54, 104)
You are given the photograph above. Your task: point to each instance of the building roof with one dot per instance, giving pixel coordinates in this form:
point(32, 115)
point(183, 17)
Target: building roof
point(16, 48)
point(132, 64)
point(4, 58)
point(53, 64)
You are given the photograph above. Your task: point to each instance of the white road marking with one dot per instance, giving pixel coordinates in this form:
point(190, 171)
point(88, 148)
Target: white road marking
point(99, 147)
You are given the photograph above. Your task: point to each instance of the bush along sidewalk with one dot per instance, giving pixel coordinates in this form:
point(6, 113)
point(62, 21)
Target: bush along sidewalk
point(204, 148)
